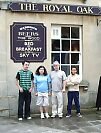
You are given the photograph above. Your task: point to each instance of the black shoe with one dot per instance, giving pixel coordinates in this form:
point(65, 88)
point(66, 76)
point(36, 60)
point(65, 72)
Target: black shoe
point(97, 109)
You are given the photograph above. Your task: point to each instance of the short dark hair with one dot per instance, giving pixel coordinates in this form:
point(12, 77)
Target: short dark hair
point(74, 67)
point(23, 62)
point(45, 71)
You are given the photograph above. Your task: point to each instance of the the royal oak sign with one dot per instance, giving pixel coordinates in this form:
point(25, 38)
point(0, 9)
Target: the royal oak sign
point(28, 42)
point(55, 8)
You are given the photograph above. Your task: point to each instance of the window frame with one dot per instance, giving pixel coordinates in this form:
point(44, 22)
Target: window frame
point(58, 37)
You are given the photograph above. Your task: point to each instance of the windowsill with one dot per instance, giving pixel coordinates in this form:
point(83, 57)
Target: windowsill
point(84, 84)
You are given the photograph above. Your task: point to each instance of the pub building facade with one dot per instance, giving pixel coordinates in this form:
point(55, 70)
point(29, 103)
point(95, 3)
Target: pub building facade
point(44, 31)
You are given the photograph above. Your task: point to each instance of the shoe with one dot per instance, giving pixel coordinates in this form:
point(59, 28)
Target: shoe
point(47, 116)
point(20, 119)
point(79, 115)
point(42, 116)
point(53, 116)
point(68, 116)
point(29, 118)
point(60, 116)
point(97, 109)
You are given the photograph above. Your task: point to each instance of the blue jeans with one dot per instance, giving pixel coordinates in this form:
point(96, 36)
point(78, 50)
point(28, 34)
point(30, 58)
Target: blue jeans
point(73, 95)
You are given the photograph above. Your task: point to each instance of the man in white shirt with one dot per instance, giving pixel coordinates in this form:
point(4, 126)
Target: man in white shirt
point(73, 81)
point(58, 79)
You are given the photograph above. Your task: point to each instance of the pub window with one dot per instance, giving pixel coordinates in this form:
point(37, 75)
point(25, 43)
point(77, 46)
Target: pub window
point(66, 47)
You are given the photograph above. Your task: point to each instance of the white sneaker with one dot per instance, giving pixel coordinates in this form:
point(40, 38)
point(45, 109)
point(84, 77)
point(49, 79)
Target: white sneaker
point(79, 115)
point(20, 119)
point(60, 116)
point(68, 116)
point(29, 118)
point(53, 116)
point(47, 116)
point(42, 116)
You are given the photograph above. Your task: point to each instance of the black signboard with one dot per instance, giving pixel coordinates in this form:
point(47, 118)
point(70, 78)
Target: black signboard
point(28, 42)
point(54, 8)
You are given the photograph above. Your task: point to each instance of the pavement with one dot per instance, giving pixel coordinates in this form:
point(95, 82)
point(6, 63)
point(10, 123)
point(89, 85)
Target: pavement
point(89, 123)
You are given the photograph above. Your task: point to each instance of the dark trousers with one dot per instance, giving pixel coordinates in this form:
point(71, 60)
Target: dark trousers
point(73, 95)
point(24, 101)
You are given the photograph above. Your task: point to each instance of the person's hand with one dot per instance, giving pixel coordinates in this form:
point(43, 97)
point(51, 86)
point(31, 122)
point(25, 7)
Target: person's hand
point(36, 94)
point(49, 94)
point(30, 90)
point(21, 90)
point(63, 90)
point(76, 83)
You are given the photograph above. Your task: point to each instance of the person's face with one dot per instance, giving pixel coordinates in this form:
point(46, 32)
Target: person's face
point(26, 66)
point(73, 71)
point(41, 71)
point(56, 67)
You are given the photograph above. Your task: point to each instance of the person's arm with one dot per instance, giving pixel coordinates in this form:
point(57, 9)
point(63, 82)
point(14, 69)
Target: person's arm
point(17, 82)
point(69, 82)
point(64, 81)
point(77, 81)
point(32, 84)
point(49, 89)
point(35, 86)
point(35, 89)
point(64, 85)
point(49, 85)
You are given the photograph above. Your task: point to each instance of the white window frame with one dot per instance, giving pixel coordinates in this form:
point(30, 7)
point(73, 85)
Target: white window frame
point(56, 34)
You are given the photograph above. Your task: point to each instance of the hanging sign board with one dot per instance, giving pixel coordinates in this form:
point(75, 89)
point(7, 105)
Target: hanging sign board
point(28, 42)
point(55, 8)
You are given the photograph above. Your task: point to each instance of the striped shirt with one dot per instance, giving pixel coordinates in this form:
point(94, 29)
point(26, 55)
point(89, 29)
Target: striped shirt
point(25, 79)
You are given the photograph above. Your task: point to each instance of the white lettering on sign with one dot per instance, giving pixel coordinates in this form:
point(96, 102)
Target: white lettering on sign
point(28, 6)
point(56, 8)
point(24, 54)
point(28, 33)
point(28, 49)
point(29, 43)
point(35, 54)
point(86, 10)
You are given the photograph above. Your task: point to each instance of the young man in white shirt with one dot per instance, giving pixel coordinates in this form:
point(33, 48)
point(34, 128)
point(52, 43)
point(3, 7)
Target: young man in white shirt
point(73, 81)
